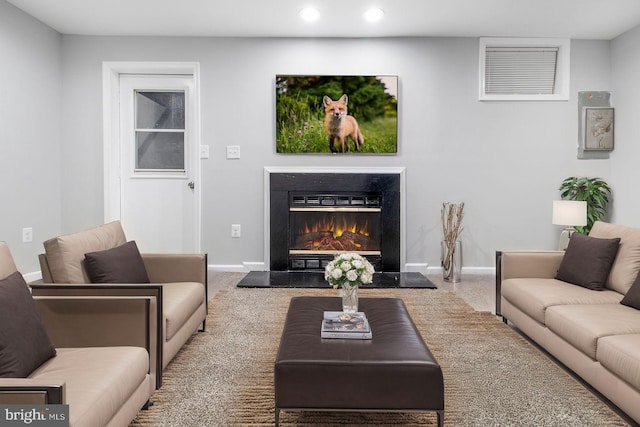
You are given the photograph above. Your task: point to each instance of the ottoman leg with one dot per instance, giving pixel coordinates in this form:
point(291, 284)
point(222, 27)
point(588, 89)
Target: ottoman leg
point(277, 416)
point(440, 418)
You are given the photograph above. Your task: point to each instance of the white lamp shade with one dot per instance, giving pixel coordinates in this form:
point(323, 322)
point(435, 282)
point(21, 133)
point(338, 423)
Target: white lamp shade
point(569, 212)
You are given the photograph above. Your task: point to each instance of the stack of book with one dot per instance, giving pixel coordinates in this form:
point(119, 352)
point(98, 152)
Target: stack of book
point(337, 324)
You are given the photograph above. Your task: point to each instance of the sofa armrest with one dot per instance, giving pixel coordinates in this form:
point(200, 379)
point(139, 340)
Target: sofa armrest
point(20, 391)
point(517, 264)
point(168, 268)
point(98, 315)
point(539, 264)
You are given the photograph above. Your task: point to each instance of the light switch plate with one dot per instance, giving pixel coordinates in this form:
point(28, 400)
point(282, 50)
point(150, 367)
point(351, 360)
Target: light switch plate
point(233, 151)
point(204, 151)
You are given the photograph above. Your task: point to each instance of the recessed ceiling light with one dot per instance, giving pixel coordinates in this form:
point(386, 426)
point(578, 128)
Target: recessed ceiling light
point(310, 14)
point(373, 15)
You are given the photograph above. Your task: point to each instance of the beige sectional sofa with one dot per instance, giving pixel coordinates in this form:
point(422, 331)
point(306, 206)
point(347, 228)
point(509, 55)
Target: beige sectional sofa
point(589, 331)
point(103, 386)
point(178, 281)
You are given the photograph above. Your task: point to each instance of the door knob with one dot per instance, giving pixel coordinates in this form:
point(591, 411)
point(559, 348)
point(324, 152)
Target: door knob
point(191, 185)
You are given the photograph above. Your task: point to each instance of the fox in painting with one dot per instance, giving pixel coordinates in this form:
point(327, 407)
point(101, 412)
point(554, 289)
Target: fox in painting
point(339, 125)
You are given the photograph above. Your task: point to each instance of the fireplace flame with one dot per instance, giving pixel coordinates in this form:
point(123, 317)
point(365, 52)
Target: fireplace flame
point(337, 227)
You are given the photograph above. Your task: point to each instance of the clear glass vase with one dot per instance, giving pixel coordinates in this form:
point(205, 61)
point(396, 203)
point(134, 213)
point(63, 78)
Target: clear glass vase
point(349, 294)
point(452, 261)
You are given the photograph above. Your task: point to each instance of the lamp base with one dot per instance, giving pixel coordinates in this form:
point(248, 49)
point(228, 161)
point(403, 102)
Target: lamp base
point(564, 238)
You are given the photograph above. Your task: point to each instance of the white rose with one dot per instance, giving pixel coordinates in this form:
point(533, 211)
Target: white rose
point(345, 266)
point(352, 275)
point(369, 268)
point(366, 278)
point(336, 273)
point(357, 263)
point(345, 257)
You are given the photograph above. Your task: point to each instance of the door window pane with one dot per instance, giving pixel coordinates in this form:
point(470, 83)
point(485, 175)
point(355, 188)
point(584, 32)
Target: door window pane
point(160, 110)
point(159, 150)
point(160, 130)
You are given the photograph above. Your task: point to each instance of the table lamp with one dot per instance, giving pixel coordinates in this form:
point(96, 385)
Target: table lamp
point(570, 214)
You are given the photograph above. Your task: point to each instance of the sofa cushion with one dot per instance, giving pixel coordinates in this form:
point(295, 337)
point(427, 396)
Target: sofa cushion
point(24, 342)
point(534, 295)
point(582, 325)
point(179, 301)
point(621, 355)
point(99, 380)
point(632, 297)
point(65, 254)
point(626, 266)
point(587, 261)
point(7, 266)
point(122, 264)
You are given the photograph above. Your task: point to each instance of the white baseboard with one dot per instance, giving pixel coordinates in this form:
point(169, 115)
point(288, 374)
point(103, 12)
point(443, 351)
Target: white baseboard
point(416, 268)
point(227, 268)
point(32, 277)
point(466, 270)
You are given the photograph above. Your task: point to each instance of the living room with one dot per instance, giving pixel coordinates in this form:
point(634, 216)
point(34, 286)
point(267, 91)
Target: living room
point(454, 148)
point(504, 160)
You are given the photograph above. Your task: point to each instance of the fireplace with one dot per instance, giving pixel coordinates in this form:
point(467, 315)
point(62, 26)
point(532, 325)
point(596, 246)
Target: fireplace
point(313, 216)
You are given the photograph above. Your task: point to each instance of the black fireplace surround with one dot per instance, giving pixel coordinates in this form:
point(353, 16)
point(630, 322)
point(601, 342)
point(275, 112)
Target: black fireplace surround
point(376, 192)
point(379, 189)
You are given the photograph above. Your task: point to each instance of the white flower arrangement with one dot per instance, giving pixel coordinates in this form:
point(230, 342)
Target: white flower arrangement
point(349, 268)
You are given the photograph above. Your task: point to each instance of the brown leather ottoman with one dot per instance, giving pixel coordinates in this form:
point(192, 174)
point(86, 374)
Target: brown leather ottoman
point(394, 371)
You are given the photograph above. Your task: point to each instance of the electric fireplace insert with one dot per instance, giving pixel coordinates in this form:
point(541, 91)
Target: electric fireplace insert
point(315, 216)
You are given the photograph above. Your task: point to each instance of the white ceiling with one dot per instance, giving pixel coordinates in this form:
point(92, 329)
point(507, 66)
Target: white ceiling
point(581, 19)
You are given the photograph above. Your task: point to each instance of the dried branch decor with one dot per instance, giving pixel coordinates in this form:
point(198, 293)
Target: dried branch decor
point(451, 215)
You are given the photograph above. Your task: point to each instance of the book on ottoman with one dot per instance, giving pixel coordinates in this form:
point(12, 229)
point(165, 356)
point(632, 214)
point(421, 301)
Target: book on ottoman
point(337, 324)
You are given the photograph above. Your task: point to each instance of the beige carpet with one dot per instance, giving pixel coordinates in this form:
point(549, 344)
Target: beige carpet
point(493, 377)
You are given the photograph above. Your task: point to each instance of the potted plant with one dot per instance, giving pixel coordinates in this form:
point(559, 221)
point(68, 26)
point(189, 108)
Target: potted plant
point(594, 191)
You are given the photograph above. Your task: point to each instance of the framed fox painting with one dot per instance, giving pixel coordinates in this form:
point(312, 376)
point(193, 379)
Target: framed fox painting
point(337, 114)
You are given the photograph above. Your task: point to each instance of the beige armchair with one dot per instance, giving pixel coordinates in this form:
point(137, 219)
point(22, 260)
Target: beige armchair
point(101, 384)
point(179, 282)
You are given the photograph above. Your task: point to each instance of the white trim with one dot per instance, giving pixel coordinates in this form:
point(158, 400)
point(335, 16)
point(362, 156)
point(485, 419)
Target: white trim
point(235, 268)
point(32, 277)
point(110, 127)
point(563, 72)
point(268, 170)
point(466, 270)
point(417, 267)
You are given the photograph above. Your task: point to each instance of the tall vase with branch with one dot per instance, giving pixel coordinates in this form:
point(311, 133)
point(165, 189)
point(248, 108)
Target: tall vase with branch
point(451, 216)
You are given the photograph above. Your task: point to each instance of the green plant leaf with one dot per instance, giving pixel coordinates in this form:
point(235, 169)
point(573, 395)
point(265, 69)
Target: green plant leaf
point(594, 191)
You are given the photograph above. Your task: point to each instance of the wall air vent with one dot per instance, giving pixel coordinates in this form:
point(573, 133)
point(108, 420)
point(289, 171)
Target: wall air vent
point(524, 69)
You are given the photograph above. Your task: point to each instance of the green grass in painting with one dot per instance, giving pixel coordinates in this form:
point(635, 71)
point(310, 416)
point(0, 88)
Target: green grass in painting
point(307, 135)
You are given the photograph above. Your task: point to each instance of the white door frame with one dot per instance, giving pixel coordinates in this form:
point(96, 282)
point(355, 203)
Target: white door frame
point(111, 72)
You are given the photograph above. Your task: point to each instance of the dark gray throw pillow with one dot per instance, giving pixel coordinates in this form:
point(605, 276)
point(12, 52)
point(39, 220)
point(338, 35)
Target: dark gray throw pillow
point(24, 342)
point(122, 264)
point(587, 261)
point(632, 297)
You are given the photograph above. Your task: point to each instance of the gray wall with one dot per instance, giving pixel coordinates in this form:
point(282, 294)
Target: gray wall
point(625, 174)
point(30, 133)
point(505, 160)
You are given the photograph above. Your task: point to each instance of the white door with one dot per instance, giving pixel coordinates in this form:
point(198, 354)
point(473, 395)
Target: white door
point(158, 164)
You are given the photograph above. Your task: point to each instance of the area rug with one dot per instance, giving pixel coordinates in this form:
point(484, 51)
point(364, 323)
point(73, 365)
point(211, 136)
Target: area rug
point(492, 376)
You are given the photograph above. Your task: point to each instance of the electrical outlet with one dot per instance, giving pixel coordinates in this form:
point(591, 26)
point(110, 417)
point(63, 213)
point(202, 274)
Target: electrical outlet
point(235, 230)
point(233, 151)
point(27, 235)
